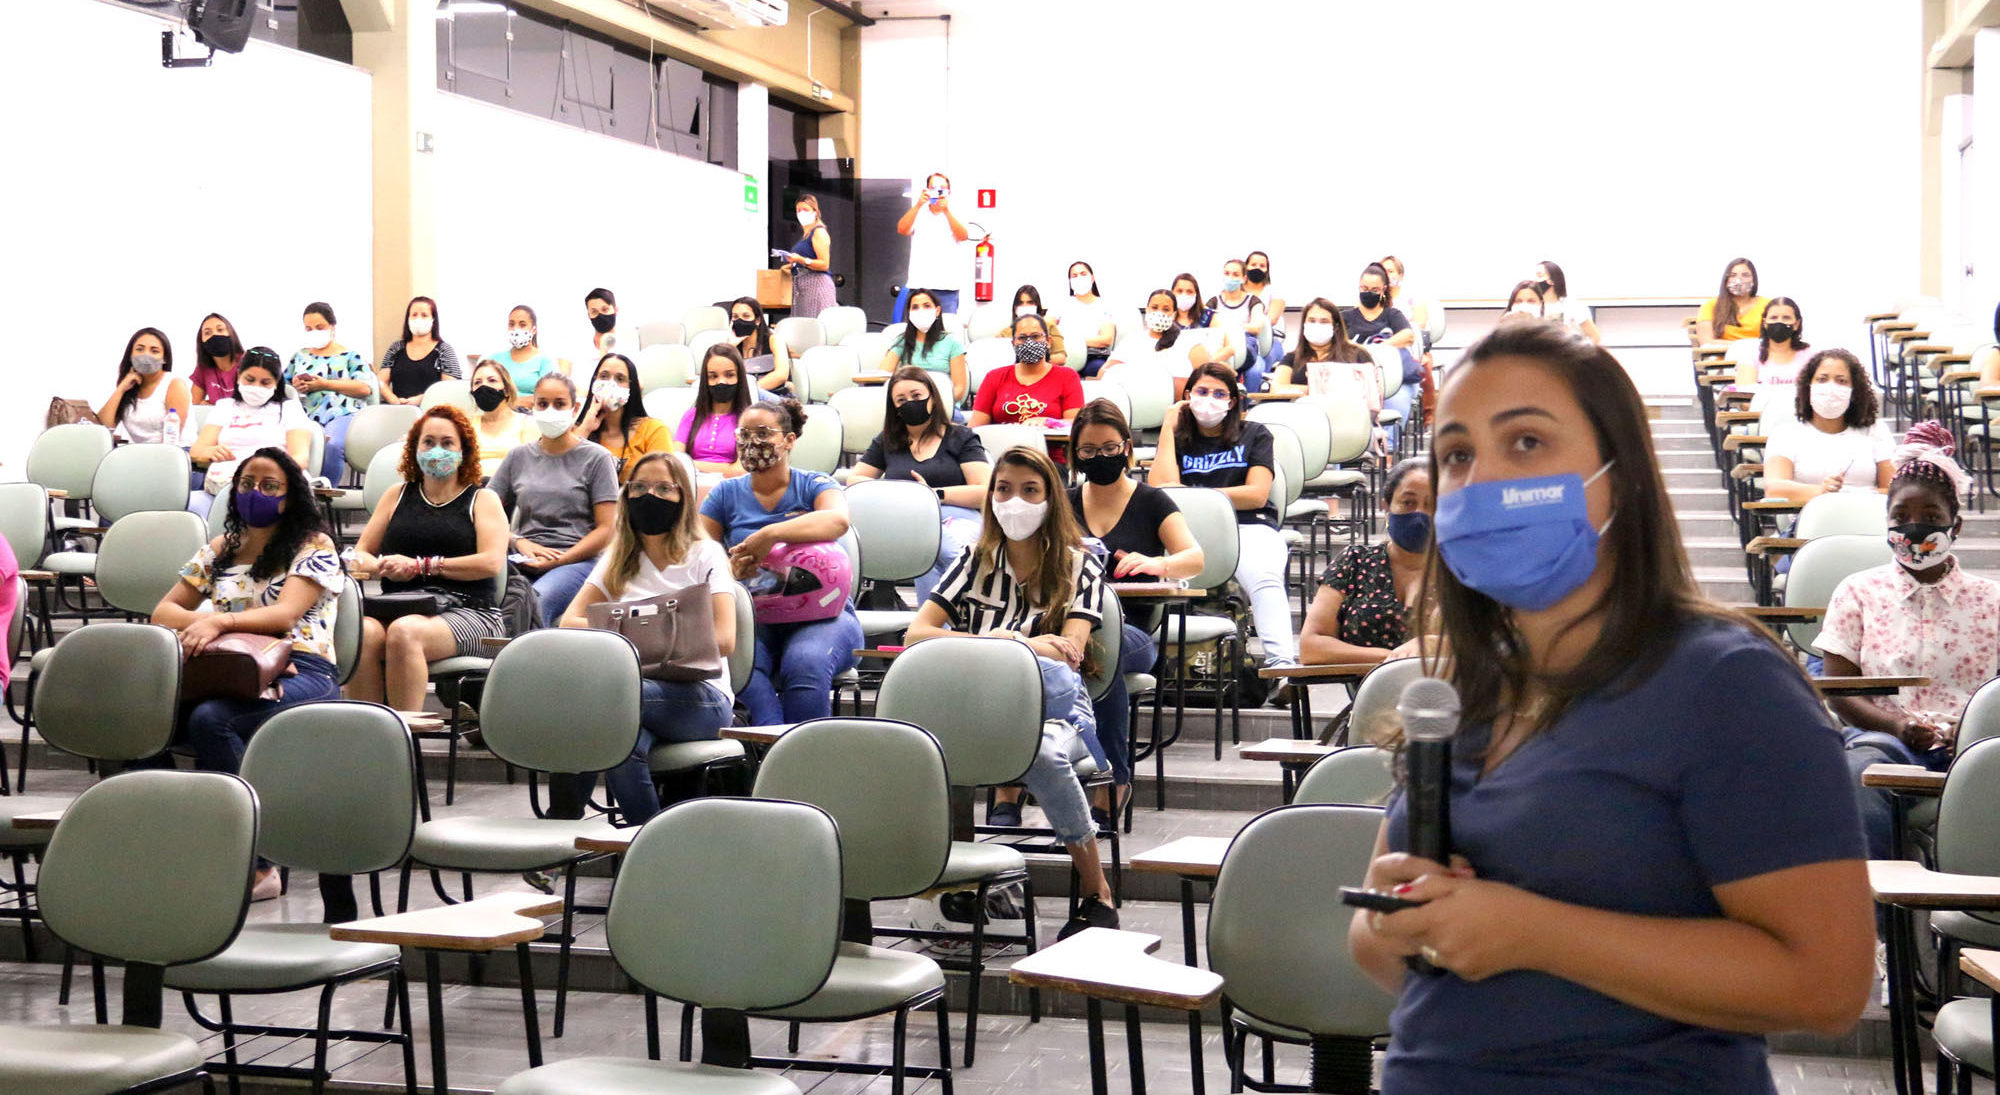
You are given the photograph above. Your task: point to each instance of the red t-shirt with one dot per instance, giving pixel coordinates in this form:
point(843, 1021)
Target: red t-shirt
point(1006, 399)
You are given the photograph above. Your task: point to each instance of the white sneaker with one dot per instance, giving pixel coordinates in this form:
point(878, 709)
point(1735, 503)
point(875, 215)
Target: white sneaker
point(1882, 969)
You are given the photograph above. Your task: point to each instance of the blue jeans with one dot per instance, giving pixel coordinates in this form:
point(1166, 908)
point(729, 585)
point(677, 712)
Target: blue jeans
point(1067, 717)
point(668, 711)
point(220, 729)
point(1252, 376)
point(961, 531)
point(1878, 806)
point(557, 587)
point(1398, 401)
point(796, 664)
point(1136, 654)
point(333, 463)
point(1093, 363)
point(947, 300)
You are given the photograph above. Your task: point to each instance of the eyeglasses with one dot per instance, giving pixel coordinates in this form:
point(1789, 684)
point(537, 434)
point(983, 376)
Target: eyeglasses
point(758, 433)
point(1085, 452)
point(270, 488)
point(663, 489)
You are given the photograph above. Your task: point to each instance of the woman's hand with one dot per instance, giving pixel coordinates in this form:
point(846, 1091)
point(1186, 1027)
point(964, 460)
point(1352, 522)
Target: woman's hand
point(1922, 734)
point(397, 568)
point(129, 381)
point(1132, 563)
point(1174, 416)
point(307, 383)
point(1832, 484)
point(196, 636)
point(753, 548)
point(1467, 925)
point(1058, 648)
point(538, 557)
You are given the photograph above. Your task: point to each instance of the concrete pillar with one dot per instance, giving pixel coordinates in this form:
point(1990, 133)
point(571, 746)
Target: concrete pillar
point(1983, 233)
point(753, 137)
point(396, 41)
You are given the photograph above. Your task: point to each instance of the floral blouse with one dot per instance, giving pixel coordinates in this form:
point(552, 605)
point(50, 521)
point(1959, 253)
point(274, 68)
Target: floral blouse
point(235, 591)
point(1891, 625)
point(324, 406)
point(1371, 612)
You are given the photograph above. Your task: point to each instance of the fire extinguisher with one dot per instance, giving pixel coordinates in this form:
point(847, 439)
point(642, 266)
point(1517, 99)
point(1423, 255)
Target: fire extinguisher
point(982, 269)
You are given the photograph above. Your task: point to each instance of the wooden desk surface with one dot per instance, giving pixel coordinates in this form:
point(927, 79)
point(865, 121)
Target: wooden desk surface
point(1725, 418)
point(58, 492)
point(1272, 397)
point(1982, 966)
point(1861, 686)
point(38, 821)
point(870, 379)
point(1155, 590)
point(755, 735)
point(1773, 505)
point(493, 642)
point(1780, 613)
point(1285, 750)
point(489, 923)
point(1902, 882)
point(1776, 545)
point(1736, 441)
point(609, 845)
point(1317, 672)
point(1194, 856)
point(1116, 965)
point(1903, 777)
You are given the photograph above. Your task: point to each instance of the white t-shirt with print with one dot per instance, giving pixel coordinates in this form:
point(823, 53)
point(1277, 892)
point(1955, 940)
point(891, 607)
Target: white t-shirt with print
point(707, 564)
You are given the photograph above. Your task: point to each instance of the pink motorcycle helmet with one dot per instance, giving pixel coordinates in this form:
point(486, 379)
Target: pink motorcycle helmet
point(813, 582)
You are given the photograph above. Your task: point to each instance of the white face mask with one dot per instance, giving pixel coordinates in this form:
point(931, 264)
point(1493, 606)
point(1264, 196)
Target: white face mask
point(420, 327)
point(610, 393)
point(521, 338)
point(553, 421)
point(1081, 284)
point(319, 339)
point(1317, 334)
point(1026, 310)
point(1185, 301)
point(1525, 309)
point(1158, 322)
point(1208, 410)
point(922, 318)
point(1831, 400)
point(1018, 517)
point(256, 395)
point(806, 217)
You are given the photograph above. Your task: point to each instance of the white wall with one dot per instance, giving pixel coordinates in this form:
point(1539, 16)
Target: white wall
point(1124, 132)
point(538, 213)
point(139, 196)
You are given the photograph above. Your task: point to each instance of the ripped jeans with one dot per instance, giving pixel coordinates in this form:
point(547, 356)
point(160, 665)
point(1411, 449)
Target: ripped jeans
point(1050, 778)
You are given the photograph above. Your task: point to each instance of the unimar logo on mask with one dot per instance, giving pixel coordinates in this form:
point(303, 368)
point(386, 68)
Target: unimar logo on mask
point(1516, 497)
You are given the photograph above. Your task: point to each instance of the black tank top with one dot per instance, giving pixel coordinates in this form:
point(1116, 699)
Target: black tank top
point(418, 528)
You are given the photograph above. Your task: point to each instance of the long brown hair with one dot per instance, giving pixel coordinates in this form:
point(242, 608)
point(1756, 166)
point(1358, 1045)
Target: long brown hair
point(621, 561)
point(1342, 348)
point(1652, 592)
point(895, 436)
point(1186, 430)
point(1724, 314)
point(1058, 543)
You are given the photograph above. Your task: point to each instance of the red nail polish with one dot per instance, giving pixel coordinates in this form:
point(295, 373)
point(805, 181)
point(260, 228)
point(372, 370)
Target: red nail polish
point(1402, 889)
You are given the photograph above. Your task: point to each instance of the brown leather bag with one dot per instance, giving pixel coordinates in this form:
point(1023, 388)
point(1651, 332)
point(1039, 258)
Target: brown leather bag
point(674, 633)
point(63, 412)
point(238, 665)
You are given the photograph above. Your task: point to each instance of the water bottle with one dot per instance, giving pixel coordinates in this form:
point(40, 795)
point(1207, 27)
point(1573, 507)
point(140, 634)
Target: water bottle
point(170, 433)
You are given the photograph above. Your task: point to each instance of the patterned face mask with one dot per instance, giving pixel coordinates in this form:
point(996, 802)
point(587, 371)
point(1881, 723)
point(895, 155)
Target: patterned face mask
point(757, 455)
point(1158, 322)
point(1031, 351)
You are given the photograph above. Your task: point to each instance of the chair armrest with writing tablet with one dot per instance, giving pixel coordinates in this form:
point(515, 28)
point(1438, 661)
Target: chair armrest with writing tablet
point(1746, 470)
point(1735, 397)
point(1911, 778)
point(1912, 885)
point(1737, 441)
point(1903, 338)
point(1879, 317)
point(1729, 418)
point(1774, 505)
point(1959, 376)
point(488, 923)
point(1780, 613)
point(1116, 965)
point(38, 576)
point(1773, 545)
point(1982, 966)
point(1926, 348)
point(1884, 326)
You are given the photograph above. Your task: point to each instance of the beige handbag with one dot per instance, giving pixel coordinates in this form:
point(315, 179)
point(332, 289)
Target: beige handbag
point(674, 633)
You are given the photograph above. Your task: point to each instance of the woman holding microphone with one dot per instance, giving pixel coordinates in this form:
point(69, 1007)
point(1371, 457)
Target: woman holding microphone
point(1658, 857)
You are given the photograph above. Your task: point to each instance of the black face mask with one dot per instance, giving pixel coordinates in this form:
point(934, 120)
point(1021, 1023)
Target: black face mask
point(1257, 277)
point(1780, 332)
point(603, 322)
point(916, 412)
point(219, 345)
point(1370, 298)
point(1102, 470)
point(1543, 286)
point(722, 393)
point(743, 327)
point(488, 397)
point(651, 515)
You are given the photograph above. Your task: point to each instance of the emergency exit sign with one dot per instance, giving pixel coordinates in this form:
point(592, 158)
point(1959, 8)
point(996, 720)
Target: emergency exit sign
point(749, 193)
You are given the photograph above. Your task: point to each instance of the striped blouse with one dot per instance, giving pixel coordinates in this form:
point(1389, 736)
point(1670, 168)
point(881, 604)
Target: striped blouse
point(979, 600)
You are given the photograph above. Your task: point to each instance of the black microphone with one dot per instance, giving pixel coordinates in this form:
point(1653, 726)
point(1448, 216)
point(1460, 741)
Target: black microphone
point(1429, 710)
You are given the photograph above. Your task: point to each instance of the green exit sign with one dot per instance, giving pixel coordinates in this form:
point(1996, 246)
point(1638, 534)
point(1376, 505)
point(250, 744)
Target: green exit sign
point(749, 193)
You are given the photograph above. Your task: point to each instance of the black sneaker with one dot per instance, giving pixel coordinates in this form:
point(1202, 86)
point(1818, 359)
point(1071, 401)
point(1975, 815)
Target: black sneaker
point(1006, 814)
point(1101, 817)
point(1093, 913)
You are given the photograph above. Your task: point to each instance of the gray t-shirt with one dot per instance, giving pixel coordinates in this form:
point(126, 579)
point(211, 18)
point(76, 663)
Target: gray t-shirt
point(551, 496)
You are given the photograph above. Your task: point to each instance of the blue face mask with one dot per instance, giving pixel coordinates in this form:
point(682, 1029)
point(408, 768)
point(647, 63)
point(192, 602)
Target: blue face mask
point(1526, 543)
point(1231, 285)
point(258, 510)
point(438, 463)
point(1410, 531)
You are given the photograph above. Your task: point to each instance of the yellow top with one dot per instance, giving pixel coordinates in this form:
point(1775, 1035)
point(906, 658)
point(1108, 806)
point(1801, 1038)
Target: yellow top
point(515, 429)
point(1749, 320)
point(648, 434)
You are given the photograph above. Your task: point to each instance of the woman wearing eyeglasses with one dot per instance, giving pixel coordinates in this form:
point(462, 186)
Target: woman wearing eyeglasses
point(658, 548)
point(755, 513)
point(1033, 390)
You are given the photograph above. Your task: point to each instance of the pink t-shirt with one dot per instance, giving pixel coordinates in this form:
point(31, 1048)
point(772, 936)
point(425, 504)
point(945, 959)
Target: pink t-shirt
point(717, 442)
point(9, 571)
point(213, 382)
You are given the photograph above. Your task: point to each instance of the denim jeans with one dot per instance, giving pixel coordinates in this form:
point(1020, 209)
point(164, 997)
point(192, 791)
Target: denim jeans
point(796, 664)
point(961, 531)
point(333, 461)
point(1136, 654)
point(1066, 717)
point(1398, 401)
point(668, 711)
point(220, 729)
point(947, 301)
point(1878, 806)
point(557, 587)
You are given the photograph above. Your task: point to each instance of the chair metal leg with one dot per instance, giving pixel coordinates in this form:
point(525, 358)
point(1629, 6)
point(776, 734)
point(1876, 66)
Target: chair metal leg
point(531, 1018)
point(652, 1026)
point(568, 938)
point(319, 1039)
point(792, 1039)
point(228, 1037)
point(944, 1043)
point(978, 968)
point(402, 983)
point(898, 1053)
point(687, 1032)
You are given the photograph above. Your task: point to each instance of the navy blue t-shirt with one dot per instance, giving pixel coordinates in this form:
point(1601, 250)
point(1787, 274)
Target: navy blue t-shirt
point(1720, 767)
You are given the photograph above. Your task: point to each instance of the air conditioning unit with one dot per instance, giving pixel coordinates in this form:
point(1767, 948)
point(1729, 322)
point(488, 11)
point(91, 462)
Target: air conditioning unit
point(729, 14)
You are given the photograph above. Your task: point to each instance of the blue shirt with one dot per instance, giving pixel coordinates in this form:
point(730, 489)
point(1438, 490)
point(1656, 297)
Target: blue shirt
point(734, 506)
point(1721, 766)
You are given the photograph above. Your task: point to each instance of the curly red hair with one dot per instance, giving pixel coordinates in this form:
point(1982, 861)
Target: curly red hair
point(468, 446)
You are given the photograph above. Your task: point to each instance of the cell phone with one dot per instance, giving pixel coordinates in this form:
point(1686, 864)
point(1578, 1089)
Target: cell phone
point(1375, 900)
